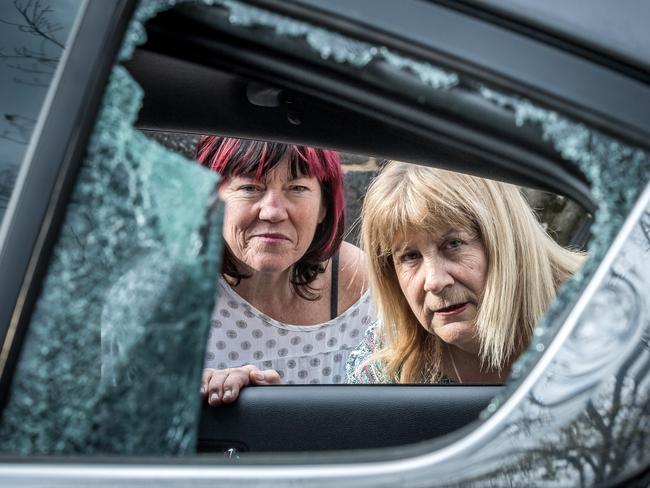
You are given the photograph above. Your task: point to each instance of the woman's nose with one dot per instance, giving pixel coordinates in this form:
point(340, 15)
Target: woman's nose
point(273, 208)
point(437, 277)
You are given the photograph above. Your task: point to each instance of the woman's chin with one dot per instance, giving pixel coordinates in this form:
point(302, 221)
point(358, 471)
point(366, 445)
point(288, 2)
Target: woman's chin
point(270, 266)
point(460, 334)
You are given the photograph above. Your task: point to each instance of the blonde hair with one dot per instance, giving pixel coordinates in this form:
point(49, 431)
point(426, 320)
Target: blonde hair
point(525, 266)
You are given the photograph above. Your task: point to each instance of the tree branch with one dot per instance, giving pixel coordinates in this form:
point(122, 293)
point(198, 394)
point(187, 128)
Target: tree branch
point(36, 21)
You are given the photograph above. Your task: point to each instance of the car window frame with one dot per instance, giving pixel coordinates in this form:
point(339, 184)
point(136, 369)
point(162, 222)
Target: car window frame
point(588, 92)
point(49, 168)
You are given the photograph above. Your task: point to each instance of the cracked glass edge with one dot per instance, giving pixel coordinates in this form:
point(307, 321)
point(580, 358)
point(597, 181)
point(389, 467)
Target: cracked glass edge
point(162, 214)
point(617, 174)
point(334, 46)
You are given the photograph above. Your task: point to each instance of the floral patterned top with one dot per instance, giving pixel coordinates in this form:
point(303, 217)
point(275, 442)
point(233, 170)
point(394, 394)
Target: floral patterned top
point(359, 369)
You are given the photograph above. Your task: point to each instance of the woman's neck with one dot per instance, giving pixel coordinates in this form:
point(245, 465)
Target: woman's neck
point(262, 289)
point(464, 367)
point(273, 295)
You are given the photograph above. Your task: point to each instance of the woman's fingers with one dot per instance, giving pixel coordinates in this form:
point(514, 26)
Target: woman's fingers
point(235, 381)
point(215, 386)
point(205, 380)
point(266, 377)
point(223, 385)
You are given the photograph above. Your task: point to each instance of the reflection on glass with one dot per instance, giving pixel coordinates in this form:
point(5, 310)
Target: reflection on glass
point(126, 300)
point(33, 37)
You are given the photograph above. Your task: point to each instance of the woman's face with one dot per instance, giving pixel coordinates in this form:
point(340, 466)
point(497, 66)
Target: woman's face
point(269, 224)
point(442, 277)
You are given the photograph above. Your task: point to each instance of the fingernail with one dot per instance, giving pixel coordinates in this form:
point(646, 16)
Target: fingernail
point(227, 394)
point(259, 375)
point(214, 397)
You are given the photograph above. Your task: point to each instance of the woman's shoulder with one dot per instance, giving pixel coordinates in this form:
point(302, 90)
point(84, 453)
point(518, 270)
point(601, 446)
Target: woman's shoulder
point(353, 275)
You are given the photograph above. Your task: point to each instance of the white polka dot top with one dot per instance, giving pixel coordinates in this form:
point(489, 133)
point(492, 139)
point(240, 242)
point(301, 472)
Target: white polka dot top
point(301, 354)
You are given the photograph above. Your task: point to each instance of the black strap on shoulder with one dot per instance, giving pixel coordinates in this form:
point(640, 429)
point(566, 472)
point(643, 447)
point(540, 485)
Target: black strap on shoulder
point(334, 292)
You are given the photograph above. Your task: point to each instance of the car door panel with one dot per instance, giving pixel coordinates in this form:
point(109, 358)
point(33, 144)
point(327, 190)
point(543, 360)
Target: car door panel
point(327, 417)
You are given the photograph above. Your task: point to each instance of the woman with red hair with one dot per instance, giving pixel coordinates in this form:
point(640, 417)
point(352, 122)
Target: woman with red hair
point(292, 299)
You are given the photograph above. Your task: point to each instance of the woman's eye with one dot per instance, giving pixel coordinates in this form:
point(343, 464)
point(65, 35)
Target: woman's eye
point(455, 244)
point(299, 188)
point(409, 256)
point(248, 188)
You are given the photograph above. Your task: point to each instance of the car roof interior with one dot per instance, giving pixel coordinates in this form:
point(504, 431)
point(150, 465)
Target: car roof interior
point(199, 80)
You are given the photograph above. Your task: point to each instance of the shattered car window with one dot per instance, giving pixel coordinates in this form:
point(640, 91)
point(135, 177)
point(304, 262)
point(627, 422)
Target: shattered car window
point(32, 39)
point(125, 304)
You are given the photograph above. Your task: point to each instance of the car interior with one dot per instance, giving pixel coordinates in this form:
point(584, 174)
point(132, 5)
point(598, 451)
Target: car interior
point(199, 79)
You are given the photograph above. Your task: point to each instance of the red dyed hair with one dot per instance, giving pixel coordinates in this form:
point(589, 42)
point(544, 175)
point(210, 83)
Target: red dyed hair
point(240, 157)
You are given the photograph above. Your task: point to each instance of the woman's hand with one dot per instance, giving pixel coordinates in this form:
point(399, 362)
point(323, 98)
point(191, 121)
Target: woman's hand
point(223, 385)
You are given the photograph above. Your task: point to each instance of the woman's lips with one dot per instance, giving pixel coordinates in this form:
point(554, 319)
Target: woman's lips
point(272, 238)
point(452, 310)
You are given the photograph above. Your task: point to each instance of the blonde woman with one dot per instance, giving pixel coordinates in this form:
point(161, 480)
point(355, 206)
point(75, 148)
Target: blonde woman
point(460, 270)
